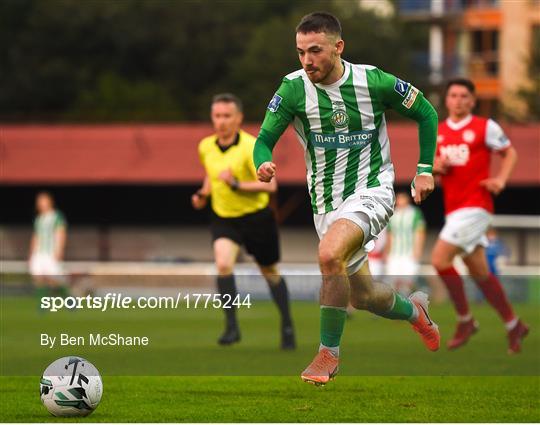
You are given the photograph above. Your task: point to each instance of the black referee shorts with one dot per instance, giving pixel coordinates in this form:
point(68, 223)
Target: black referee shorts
point(257, 231)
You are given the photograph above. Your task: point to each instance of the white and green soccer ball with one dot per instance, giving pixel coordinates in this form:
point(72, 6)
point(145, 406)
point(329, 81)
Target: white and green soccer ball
point(71, 386)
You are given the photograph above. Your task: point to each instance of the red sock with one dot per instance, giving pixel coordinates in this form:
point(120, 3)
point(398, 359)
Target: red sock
point(454, 284)
point(494, 293)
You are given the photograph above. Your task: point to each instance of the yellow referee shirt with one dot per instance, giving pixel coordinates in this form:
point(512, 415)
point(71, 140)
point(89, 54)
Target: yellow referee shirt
point(238, 157)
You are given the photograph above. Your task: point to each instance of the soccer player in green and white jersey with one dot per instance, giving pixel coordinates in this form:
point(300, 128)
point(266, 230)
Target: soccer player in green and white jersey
point(338, 113)
point(405, 243)
point(47, 246)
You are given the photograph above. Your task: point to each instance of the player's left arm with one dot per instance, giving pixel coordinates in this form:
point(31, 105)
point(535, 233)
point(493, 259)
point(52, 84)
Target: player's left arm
point(410, 102)
point(256, 186)
point(60, 234)
point(497, 141)
point(248, 186)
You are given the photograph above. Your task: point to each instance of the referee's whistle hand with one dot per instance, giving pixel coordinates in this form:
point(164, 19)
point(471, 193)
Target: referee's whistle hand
point(266, 171)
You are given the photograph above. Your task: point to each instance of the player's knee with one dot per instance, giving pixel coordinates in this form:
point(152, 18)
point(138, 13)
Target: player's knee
point(440, 262)
point(330, 261)
point(224, 268)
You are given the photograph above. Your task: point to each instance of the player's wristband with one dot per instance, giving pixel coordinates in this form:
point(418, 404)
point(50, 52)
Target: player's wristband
point(424, 170)
point(235, 184)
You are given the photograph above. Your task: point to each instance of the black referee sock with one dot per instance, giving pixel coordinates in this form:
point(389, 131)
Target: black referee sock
point(227, 286)
point(280, 295)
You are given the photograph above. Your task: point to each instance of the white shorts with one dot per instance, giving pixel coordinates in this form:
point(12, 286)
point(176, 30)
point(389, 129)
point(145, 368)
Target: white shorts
point(369, 209)
point(401, 266)
point(466, 228)
point(44, 265)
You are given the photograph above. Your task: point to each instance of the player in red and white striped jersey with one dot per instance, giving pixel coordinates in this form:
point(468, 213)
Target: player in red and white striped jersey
point(465, 145)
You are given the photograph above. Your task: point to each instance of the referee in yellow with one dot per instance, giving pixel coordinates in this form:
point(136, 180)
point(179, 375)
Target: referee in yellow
point(240, 214)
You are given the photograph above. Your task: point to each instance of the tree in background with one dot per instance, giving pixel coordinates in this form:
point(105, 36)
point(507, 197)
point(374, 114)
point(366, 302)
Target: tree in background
point(531, 94)
point(158, 60)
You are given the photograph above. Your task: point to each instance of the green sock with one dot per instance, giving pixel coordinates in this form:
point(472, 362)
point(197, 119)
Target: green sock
point(403, 308)
point(332, 323)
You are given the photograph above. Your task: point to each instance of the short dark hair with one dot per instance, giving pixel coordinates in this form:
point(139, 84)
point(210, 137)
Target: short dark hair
point(228, 98)
point(319, 22)
point(459, 81)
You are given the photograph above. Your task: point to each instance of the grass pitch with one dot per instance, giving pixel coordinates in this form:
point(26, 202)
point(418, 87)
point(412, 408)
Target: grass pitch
point(287, 399)
point(386, 374)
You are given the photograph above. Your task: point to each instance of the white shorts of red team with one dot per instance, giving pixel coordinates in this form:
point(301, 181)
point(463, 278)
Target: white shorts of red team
point(401, 266)
point(466, 228)
point(369, 209)
point(45, 265)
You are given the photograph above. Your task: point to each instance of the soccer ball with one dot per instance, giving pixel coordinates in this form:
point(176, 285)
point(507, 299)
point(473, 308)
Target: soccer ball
point(71, 386)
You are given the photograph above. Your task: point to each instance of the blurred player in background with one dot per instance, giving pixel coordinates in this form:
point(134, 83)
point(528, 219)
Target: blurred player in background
point(496, 250)
point(406, 237)
point(338, 113)
point(377, 256)
point(47, 247)
point(465, 145)
point(240, 214)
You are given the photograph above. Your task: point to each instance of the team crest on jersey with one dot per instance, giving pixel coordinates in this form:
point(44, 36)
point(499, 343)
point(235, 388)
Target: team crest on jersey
point(469, 136)
point(339, 117)
point(274, 103)
point(401, 87)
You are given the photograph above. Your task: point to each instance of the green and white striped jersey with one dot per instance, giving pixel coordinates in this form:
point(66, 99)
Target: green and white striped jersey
point(45, 226)
point(342, 129)
point(403, 226)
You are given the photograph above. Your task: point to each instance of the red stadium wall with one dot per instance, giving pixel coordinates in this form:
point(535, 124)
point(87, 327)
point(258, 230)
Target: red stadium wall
point(167, 154)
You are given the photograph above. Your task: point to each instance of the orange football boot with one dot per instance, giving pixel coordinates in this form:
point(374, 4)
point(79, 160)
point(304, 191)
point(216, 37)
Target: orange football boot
point(323, 368)
point(424, 326)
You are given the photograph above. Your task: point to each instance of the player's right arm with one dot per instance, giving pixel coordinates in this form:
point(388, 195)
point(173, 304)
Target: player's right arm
point(200, 198)
point(279, 113)
point(410, 102)
point(60, 235)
